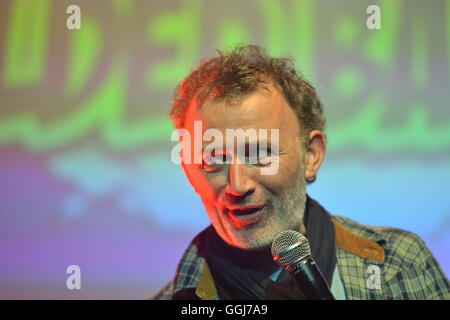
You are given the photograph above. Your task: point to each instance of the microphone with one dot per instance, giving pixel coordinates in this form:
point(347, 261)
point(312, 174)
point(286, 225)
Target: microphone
point(291, 251)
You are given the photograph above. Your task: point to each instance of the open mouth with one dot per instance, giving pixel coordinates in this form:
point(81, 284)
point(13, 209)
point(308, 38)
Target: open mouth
point(246, 214)
point(240, 212)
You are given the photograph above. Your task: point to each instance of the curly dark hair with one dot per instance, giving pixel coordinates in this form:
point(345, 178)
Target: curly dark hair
point(240, 71)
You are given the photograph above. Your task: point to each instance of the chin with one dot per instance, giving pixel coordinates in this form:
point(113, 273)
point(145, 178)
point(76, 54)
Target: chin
point(252, 242)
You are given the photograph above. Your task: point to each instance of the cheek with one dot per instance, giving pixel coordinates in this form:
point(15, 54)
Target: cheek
point(207, 185)
point(289, 166)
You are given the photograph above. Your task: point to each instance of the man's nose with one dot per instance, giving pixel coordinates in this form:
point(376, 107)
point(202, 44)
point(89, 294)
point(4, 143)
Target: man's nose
point(240, 180)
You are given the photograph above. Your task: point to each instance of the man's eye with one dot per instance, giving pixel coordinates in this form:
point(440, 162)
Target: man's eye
point(213, 162)
point(264, 160)
point(259, 158)
point(215, 159)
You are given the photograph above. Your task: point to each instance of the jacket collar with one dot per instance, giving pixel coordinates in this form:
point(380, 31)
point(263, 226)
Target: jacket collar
point(367, 248)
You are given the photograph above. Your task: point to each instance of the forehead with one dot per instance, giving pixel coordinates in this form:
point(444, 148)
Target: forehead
point(264, 108)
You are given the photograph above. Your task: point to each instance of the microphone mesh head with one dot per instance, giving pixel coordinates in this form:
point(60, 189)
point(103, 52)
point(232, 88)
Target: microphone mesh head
point(289, 247)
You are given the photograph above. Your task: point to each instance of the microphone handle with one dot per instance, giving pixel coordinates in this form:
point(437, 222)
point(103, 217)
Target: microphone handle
point(310, 280)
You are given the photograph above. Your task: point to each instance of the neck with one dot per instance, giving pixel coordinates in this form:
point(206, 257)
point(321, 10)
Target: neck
point(257, 259)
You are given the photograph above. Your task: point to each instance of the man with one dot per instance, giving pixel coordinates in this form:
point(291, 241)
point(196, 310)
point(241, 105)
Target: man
point(247, 90)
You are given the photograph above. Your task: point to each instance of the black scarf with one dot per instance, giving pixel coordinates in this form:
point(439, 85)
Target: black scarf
point(237, 278)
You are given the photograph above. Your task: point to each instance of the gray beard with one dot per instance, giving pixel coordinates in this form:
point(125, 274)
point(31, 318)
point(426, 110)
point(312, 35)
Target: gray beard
point(286, 212)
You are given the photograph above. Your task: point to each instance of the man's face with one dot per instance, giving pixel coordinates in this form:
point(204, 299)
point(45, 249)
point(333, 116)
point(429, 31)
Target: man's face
point(246, 208)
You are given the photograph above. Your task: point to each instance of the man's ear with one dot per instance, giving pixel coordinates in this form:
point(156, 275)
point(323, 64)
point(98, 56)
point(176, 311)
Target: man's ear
point(315, 153)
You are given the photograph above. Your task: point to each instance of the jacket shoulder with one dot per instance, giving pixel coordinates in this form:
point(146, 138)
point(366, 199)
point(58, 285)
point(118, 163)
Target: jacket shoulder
point(396, 242)
point(188, 268)
point(410, 269)
point(165, 293)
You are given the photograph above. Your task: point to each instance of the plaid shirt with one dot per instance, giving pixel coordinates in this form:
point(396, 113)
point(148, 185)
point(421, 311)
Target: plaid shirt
point(374, 263)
